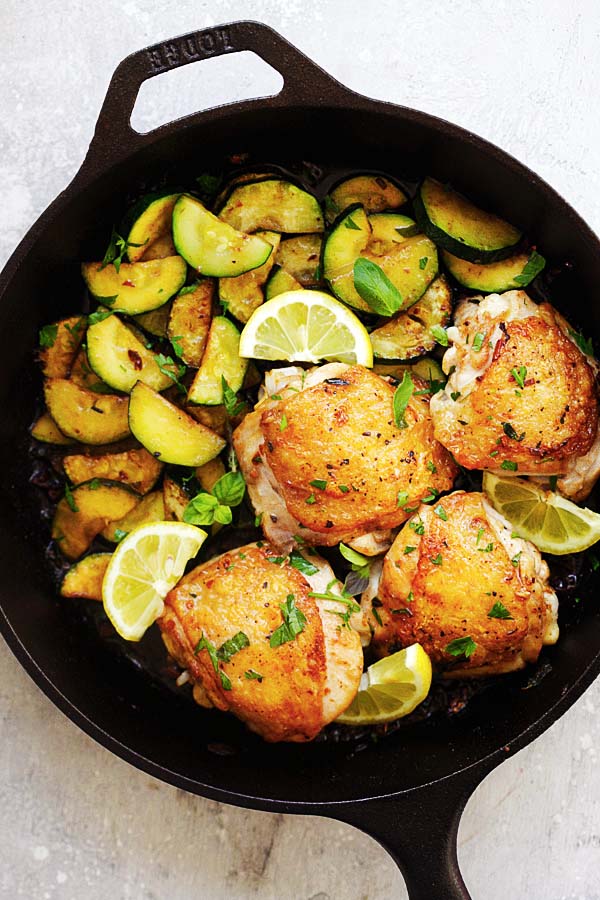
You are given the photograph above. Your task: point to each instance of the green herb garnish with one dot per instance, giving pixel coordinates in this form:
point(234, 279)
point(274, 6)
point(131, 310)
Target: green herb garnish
point(499, 611)
point(510, 432)
point(116, 250)
point(478, 342)
point(375, 287)
point(294, 622)
point(519, 374)
point(48, 335)
point(508, 465)
point(464, 646)
point(402, 396)
point(532, 267)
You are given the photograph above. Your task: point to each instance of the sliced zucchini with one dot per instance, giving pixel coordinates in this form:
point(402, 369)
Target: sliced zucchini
point(161, 248)
point(244, 294)
point(299, 256)
point(150, 222)
point(47, 431)
point(91, 507)
point(459, 226)
point(83, 375)
point(347, 240)
point(151, 508)
point(214, 417)
point(189, 321)
point(213, 247)
point(84, 579)
point(136, 468)
point(208, 474)
point(408, 334)
point(169, 433)
point(63, 340)
point(411, 264)
point(84, 415)
point(272, 205)
point(280, 281)
point(136, 287)
point(120, 359)
point(426, 368)
point(493, 278)
point(156, 321)
point(175, 499)
point(392, 228)
point(374, 192)
point(221, 360)
point(242, 178)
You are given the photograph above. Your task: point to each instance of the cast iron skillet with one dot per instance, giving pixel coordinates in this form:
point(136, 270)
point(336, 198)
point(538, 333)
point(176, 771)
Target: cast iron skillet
point(407, 791)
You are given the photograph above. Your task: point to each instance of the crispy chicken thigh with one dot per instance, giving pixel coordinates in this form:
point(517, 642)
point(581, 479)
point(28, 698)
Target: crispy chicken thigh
point(521, 396)
point(455, 571)
point(323, 458)
point(284, 693)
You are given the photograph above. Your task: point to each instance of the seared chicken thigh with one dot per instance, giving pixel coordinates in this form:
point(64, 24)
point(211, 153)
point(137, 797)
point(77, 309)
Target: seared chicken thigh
point(521, 396)
point(456, 573)
point(323, 457)
point(285, 683)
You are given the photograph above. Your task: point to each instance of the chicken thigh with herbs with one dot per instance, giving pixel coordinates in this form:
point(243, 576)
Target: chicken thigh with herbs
point(256, 643)
point(521, 395)
point(458, 582)
point(324, 459)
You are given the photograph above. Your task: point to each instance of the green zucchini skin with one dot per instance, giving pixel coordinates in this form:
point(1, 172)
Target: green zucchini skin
point(272, 204)
point(460, 227)
point(490, 278)
point(221, 359)
point(149, 219)
point(137, 287)
point(280, 281)
point(374, 192)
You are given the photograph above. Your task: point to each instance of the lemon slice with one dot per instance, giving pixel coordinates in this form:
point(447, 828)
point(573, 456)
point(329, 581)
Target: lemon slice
point(142, 571)
point(390, 688)
point(306, 326)
point(553, 524)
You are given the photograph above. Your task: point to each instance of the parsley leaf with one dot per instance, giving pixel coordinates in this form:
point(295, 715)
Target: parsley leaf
point(116, 250)
point(464, 646)
point(499, 611)
point(99, 316)
point(294, 622)
point(344, 598)
point(176, 344)
point(478, 342)
point(423, 262)
point(119, 534)
point(208, 185)
point(252, 675)
point(584, 344)
point(532, 267)
point(303, 565)
point(188, 288)
point(440, 334)
point(318, 483)
point(170, 368)
point(48, 335)
point(402, 395)
point(232, 646)
point(441, 513)
point(205, 644)
point(437, 560)
point(375, 287)
point(509, 466)
point(70, 499)
point(233, 407)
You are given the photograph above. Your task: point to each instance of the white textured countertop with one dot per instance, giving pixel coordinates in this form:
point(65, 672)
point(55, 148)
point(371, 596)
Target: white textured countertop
point(76, 822)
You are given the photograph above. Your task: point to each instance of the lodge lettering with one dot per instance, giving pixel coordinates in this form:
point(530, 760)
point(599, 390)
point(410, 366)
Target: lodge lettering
point(196, 46)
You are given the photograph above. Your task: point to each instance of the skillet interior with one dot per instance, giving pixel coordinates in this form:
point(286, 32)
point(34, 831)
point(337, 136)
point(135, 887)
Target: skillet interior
point(206, 752)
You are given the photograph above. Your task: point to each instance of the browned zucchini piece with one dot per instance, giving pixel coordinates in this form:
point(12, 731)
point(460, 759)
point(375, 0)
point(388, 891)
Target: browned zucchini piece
point(189, 321)
point(47, 431)
point(408, 334)
point(168, 432)
point(85, 416)
point(86, 511)
point(84, 579)
point(209, 474)
point(374, 192)
point(272, 205)
point(299, 256)
point(83, 375)
point(160, 248)
point(175, 499)
point(214, 417)
point(59, 344)
point(136, 468)
point(120, 358)
point(244, 293)
point(150, 231)
point(156, 321)
point(137, 287)
point(151, 508)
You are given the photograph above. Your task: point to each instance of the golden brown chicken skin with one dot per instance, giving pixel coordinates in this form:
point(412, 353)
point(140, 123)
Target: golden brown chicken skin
point(521, 396)
point(329, 463)
point(284, 693)
point(455, 572)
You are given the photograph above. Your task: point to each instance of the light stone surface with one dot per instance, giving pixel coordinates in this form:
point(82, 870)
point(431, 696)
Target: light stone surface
point(74, 820)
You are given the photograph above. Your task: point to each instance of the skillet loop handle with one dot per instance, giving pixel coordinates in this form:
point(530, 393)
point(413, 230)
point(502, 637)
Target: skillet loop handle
point(304, 80)
point(419, 831)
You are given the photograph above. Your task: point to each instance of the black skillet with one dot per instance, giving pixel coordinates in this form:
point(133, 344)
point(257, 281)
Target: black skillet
point(409, 789)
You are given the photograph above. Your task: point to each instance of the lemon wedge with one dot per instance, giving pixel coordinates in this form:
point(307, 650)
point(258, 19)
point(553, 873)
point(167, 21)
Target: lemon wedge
point(390, 688)
point(306, 326)
point(142, 571)
point(552, 523)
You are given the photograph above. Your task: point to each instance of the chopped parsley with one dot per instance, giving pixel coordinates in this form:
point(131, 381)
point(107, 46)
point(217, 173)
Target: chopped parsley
point(499, 611)
point(99, 316)
point(172, 370)
point(431, 497)
point(311, 499)
point(510, 432)
point(252, 675)
point(188, 289)
point(294, 622)
point(519, 374)
point(441, 513)
point(584, 344)
point(455, 395)
point(478, 341)
point(402, 396)
point(487, 549)
point(437, 560)
point(423, 262)
point(119, 534)
point(233, 406)
point(402, 498)
point(345, 598)
point(431, 466)
point(418, 526)
point(48, 335)
point(532, 267)
point(205, 644)
point(408, 550)
point(464, 646)
point(516, 558)
point(303, 565)
point(318, 483)
point(70, 499)
point(440, 334)
point(508, 465)
point(116, 250)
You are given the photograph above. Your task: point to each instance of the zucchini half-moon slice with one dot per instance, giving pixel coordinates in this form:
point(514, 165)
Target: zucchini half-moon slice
point(491, 278)
point(47, 431)
point(408, 334)
point(280, 281)
point(90, 507)
point(59, 352)
point(85, 416)
point(244, 294)
point(150, 220)
point(136, 468)
point(459, 226)
point(84, 578)
point(136, 287)
point(221, 360)
point(212, 246)
point(168, 432)
point(299, 256)
point(151, 508)
point(120, 359)
point(375, 192)
point(272, 205)
point(189, 321)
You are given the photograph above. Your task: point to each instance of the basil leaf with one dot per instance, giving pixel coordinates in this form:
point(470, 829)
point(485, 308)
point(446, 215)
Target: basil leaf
point(402, 395)
point(230, 489)
point(201, 510)
point(48, 335)
point(533, 267)
point(375, 287)
point(223, 515)
point(303, 565)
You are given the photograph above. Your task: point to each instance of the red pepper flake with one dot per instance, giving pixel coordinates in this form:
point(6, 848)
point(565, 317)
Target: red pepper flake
point(128, 283)
point(136, 359)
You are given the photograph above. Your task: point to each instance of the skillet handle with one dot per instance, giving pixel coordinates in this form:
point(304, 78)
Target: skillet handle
point(419, 831)
point(304, 80)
